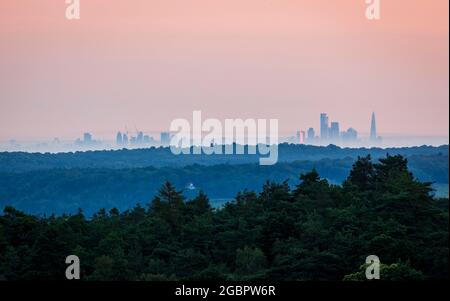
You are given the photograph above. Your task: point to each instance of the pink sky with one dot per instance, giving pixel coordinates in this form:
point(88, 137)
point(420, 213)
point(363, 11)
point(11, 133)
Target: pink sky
point(142, 63)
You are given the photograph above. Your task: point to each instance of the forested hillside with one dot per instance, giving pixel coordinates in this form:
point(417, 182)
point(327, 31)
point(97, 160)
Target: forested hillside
point(162, 157)
point(313, 231)
point(65, 190)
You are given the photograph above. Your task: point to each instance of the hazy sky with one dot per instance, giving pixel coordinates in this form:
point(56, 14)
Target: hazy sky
point(142, 63)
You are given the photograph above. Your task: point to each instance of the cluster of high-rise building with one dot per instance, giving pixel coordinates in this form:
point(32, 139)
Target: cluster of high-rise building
point(330, 133)
point(87, 141)
point(123, 139)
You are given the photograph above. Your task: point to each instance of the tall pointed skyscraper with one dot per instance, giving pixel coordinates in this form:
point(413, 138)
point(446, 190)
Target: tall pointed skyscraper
point(373, 128)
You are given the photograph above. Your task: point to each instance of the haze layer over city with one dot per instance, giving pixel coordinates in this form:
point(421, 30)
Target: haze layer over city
point(328, 132)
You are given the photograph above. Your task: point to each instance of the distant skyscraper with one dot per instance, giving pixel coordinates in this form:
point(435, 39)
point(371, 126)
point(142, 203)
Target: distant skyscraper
point(140, 137)
point(87, 138)
point(125, 139)
point(323, 126)
point(311, 135)
point(119, 139)
point(373, 128)
point(351, 135)
point(301, 137)
point(165, 138)
point(334, 131)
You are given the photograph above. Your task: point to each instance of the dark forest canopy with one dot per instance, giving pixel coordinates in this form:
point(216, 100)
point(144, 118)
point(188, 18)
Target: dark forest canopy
point(313, 231)
point(162, 157)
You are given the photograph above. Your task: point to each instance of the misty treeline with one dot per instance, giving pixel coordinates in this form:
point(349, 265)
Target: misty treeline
point(315, 231)
point(64, 189)
point(19, 162)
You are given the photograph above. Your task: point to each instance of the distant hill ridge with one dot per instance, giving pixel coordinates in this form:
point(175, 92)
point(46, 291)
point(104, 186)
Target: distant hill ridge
point(162, 157)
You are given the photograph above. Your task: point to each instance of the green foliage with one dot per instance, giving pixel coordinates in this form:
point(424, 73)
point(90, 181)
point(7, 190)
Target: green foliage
point(362, 175)
point(317, 231)
point(389, 272)
point(62, 183)
point(250, 262)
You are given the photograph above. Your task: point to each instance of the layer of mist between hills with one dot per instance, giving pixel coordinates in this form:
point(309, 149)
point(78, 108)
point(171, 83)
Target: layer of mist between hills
point(59, 184)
